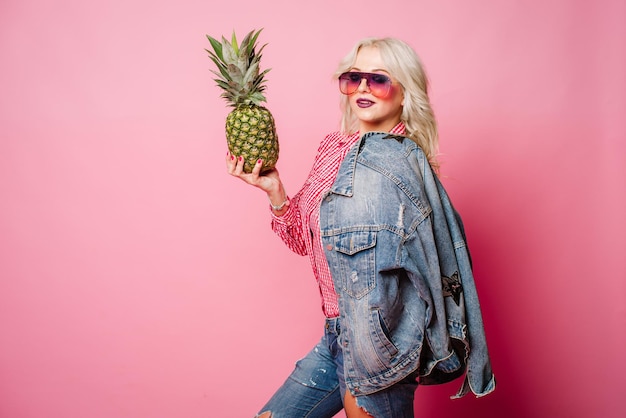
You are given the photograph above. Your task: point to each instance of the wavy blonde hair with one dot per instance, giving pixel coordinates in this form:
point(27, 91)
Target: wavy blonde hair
point(404, 65)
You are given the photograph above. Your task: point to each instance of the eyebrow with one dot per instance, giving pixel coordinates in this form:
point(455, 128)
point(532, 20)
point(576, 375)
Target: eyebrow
point(375, 69)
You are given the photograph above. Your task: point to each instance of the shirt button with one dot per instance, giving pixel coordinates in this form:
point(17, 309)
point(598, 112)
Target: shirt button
point(329, 247)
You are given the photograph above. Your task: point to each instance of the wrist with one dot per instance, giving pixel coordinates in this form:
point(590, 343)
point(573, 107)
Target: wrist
point(283, 205)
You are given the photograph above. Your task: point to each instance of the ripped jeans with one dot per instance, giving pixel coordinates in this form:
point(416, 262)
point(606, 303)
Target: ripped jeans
point(316, 387)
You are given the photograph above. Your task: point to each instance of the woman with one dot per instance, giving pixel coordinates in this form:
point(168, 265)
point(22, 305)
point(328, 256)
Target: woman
point(369, 217)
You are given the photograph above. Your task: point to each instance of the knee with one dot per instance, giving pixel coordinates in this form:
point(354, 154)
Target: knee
point(267, 414)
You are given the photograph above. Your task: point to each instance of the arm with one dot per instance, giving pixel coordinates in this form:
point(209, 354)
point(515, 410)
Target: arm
point(288, 226)
point(290, 223)
point(286, 221)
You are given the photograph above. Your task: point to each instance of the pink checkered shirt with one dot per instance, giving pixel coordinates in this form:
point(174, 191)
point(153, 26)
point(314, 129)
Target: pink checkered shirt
point(299, 226)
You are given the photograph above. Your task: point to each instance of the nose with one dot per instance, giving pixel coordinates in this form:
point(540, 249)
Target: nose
point(363, 85)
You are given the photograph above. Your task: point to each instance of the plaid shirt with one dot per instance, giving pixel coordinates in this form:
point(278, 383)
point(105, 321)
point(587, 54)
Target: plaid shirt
point(299, 226)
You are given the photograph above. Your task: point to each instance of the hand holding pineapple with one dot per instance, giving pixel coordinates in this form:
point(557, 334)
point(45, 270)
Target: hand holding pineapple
point(250, 128)
point(269, 182)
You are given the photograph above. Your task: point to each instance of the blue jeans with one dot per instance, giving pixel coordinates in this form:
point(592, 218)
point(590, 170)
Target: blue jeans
point(316, 388)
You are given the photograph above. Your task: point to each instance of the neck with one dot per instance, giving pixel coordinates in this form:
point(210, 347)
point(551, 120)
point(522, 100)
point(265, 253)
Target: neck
point(385, 126)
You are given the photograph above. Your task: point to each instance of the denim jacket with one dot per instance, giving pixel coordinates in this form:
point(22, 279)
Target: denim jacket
point(397, 252)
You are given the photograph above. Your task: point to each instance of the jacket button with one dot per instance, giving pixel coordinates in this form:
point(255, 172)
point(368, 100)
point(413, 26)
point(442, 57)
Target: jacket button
point(329, 247)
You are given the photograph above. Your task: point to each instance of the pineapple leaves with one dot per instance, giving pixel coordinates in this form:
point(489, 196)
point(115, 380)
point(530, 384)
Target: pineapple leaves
point(238, 68)
point(217, 47)
point(234, 44)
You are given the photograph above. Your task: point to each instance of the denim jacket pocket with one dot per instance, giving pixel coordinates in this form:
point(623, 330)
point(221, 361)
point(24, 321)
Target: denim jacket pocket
point(381, 337)
point(356, 261)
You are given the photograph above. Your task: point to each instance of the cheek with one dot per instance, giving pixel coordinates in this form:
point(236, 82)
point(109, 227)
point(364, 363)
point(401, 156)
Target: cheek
point(398, 99)
point(398, 96)
point(352, 102)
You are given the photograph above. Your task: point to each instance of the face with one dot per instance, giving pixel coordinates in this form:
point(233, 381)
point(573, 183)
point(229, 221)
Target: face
point(374, 113)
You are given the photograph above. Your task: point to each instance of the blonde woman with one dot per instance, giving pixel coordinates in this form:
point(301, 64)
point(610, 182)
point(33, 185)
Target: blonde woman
point(386, 247)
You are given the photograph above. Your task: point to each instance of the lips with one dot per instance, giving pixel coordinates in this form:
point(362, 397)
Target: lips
point(364, 103)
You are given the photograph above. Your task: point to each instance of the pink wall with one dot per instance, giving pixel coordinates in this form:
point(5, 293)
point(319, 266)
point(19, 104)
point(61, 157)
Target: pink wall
point(138, 280)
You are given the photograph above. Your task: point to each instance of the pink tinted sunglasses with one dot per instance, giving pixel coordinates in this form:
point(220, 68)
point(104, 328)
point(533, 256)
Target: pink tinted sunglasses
point(379, 84)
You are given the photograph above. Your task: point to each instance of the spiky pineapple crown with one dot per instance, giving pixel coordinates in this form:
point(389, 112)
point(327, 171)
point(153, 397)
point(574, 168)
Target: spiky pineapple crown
point(238, 66)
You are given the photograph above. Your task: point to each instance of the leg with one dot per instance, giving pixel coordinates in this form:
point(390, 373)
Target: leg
point(311, 391)
point(352, 409)
point(393, 402)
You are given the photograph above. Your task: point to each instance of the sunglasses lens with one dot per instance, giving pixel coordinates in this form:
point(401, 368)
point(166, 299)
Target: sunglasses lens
point(349, 82)
point(379, 84)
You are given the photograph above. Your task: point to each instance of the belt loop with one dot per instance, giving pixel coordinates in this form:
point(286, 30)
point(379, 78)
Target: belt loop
point(332, 325)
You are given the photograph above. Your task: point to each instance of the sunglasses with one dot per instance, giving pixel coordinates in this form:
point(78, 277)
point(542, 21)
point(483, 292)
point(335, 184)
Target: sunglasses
point(379, 84)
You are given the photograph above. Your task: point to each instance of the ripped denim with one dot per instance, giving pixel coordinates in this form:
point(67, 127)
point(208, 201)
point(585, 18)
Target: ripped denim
point(316, 388)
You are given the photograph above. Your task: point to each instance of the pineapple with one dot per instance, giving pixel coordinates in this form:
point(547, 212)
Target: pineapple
point(250, 128)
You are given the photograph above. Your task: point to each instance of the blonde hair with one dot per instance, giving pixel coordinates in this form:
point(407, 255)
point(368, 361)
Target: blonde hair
point(404, 65)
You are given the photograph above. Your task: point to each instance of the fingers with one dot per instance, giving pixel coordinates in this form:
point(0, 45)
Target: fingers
point(268, 181)
point(256, 170)
point(235, 166)
point(231, 163)
point(238, 166)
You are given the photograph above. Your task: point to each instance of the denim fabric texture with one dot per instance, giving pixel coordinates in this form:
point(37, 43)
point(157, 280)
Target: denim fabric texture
point(398, 256)
point(312, 389)
point(315, 388)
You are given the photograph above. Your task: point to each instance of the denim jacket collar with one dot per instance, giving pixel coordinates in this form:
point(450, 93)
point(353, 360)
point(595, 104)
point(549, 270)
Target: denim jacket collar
point(344, 184)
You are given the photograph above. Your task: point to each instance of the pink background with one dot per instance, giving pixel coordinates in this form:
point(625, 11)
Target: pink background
point(137, 279)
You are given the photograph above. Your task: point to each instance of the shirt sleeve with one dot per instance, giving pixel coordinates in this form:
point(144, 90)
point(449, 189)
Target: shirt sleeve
point(293, 225)
point(289, 226)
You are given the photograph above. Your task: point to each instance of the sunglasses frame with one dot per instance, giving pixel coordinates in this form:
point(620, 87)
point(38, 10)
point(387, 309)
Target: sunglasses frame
point(379, 89)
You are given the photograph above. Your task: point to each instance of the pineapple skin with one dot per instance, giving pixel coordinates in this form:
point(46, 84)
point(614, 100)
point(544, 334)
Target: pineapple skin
point(251, 134)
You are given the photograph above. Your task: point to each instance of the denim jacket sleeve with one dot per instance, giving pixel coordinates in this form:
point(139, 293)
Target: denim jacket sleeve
point(461, 306)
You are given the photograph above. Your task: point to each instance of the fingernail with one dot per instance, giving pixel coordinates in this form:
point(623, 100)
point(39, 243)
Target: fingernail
point(232, 157)
point(259, 161)
point(240, 158)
